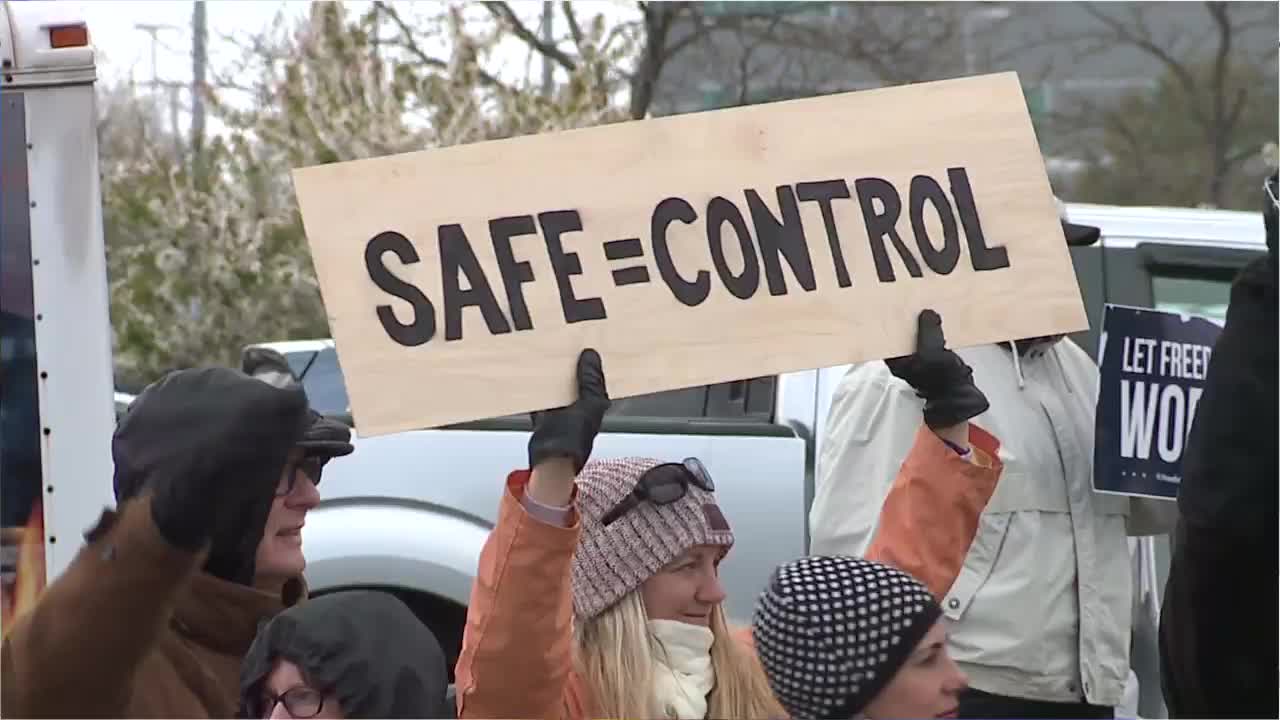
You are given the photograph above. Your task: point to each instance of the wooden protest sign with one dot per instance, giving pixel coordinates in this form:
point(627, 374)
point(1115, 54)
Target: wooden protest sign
point(462, 282)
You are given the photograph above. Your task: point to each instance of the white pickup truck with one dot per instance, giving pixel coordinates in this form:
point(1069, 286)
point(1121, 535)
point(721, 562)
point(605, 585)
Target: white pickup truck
point(409, 512)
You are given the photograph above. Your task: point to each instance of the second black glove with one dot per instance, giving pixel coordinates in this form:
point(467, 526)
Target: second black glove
point(939, 376)
point(571, 431)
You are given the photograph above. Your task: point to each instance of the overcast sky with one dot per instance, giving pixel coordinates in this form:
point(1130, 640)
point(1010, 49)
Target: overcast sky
point(125, 50)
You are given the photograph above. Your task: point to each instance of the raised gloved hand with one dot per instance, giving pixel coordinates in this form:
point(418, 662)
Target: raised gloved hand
point(939, 376)
point(570, 431)
point(210, 445)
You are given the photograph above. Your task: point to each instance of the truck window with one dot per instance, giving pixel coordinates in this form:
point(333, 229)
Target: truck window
point(1195, 280)
point(752, 399)
point(1203, 296)
point(323, 381)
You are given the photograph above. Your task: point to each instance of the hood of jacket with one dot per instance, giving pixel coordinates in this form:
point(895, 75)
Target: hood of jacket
point(176, 429)
point(367, 648)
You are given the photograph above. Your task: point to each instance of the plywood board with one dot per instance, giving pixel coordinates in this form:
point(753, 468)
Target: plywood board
point(462, 282)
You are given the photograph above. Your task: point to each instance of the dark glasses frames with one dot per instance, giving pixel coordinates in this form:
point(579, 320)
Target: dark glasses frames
point(662, 485)
point(310, 465)
point(300, 701)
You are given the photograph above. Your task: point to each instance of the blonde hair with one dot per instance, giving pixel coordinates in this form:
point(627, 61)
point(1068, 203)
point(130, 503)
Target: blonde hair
point(615, 655)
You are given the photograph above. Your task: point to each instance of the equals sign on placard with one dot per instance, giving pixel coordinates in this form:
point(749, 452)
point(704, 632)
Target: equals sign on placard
point(626, 249)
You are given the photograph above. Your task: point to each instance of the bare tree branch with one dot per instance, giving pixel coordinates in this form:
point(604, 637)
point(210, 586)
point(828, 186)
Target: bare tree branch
point(657, 21)
point(885, 40)
point(1218, 12)
point(614, 33)
point(1141, 38)
point(1222, 125)
point(702, 29)
point(1212, 123)
point(406, 42)
point(504, 14)
point(575, 30)
point(1250, 150)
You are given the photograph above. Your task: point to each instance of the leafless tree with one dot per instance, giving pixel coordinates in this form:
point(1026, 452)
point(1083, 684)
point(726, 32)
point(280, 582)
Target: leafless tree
point(625, 54)
point(803, 49)
point(1203, 123)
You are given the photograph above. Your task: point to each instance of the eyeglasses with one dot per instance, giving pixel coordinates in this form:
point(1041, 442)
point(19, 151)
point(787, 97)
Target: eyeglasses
point(301, 702)
point(310, 465)
point(662, 485)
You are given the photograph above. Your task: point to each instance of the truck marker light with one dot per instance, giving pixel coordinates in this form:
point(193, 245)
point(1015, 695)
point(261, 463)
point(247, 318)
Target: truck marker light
point(65, 36)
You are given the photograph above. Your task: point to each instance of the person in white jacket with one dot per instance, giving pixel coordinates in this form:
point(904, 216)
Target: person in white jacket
point(1041, 609)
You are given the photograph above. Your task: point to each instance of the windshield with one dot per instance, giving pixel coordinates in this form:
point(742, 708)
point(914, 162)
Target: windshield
point(322, 379)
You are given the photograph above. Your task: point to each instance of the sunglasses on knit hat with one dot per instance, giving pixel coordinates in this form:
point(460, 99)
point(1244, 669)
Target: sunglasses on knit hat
point(662, 485)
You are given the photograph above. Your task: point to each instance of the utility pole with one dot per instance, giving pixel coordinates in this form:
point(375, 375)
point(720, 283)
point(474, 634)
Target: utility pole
point(199, 68)
point(547, 10)
point(153, 30)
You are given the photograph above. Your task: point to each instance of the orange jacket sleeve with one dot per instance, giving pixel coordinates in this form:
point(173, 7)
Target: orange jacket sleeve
point(931, 514)
point(517, 650)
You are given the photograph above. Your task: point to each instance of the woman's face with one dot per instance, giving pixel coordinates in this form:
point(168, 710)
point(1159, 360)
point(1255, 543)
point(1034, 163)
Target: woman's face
point(927, 685)
point(286, 694)
point(279, 555)
point(688, 588)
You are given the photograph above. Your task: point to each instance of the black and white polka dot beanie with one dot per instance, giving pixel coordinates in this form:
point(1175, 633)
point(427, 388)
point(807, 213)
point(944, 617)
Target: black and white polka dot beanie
point(832, 631)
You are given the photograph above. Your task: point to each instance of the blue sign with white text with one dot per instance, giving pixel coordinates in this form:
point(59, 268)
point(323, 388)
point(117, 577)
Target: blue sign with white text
point(1152, 368)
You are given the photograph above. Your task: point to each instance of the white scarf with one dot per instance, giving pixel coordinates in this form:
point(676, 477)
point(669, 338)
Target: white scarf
point(682, 672)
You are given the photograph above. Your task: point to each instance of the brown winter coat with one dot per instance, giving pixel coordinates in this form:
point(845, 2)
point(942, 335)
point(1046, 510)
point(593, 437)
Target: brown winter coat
point(517, 650)
point(133, 629)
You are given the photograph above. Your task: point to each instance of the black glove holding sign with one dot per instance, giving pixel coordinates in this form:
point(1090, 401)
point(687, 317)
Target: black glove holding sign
point(571, 431)
point(939, 376)
point(210, 445)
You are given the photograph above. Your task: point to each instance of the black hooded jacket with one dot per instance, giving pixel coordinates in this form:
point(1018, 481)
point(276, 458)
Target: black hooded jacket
point(1230, 470)
point(367, 648)
point(1218, 619)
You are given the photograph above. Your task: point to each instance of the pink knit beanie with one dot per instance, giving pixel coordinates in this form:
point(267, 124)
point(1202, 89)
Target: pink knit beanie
point(615, 560)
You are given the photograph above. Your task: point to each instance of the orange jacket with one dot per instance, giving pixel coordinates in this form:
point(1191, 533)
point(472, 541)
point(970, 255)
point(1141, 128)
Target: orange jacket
point(517, 654)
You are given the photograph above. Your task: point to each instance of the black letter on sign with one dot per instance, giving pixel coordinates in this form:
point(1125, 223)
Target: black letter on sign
point(880, 226)
point(456, 256)
point(785, 238)
point(982, 257)
point(942, 261)
point(720, 211)
point(513, 273)
point(689, 293)
point(423, 327)
point(566, 265)
point(822, 193)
